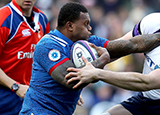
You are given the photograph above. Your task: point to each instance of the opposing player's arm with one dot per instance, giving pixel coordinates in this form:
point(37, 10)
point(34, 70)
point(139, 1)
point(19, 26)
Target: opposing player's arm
point(137, 44)
point(126, 80)
point(131, 80)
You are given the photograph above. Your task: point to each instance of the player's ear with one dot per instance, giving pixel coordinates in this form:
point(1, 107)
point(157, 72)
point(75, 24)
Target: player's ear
point(69, 26)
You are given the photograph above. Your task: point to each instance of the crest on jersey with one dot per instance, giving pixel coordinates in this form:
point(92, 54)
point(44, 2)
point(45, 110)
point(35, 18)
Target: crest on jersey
point(26, 32)
point(54, 55)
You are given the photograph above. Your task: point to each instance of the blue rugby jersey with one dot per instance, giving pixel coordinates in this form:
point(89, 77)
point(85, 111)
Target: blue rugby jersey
point(45, 95)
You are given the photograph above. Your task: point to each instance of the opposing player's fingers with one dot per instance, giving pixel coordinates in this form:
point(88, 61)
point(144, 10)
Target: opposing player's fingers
point(77, 85)
point(71, 74)
point(85, 60)
point(72, 80)
point(73, 69)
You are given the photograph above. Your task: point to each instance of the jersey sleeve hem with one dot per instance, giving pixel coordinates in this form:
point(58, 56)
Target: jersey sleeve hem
point(64, 60)
point(105, 44)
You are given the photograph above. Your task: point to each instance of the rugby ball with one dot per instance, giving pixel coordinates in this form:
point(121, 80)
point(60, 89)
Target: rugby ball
point(82, 48)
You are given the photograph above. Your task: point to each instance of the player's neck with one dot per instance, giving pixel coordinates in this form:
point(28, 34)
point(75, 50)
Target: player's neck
point(27, 13)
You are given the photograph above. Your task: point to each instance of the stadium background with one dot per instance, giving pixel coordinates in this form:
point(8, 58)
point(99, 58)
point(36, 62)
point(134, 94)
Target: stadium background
point(109, 19)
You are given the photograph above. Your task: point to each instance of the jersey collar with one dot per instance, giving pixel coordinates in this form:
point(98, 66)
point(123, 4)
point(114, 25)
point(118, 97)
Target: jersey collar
point(60, 35)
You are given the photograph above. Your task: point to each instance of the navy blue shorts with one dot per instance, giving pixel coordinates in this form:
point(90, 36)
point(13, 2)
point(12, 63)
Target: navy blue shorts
point(10, 103)
point(140, 105)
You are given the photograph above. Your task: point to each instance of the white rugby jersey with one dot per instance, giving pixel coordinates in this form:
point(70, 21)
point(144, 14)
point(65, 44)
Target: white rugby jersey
point(148, 25)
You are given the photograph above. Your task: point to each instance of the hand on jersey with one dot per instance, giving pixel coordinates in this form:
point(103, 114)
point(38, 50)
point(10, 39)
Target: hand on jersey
point(22, 90)
point(84, 75)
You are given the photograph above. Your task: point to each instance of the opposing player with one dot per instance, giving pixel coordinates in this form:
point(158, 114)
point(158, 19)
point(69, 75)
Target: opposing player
point(21, 27)
point(145, 103)
point(48, 91)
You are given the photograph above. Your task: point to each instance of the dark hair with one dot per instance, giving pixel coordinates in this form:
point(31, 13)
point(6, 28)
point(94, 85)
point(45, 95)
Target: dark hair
point(70, 12)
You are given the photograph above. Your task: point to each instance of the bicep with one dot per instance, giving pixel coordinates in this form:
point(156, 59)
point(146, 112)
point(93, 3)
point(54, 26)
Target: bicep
point(59, 73)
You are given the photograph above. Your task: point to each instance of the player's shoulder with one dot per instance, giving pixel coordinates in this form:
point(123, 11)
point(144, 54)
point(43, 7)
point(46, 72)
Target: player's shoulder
point(49, 42)
point(150, 23)
point(4, 13)
point(151, 18)
point(153, 15)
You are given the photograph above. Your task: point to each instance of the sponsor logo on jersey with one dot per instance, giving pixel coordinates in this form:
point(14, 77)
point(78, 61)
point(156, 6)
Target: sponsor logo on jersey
point(151, 63)
point(23, 55)
point(54, 55)
point(26, 32)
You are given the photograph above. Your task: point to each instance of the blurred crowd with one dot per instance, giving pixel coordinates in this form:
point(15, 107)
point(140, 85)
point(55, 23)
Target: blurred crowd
point(110, 19)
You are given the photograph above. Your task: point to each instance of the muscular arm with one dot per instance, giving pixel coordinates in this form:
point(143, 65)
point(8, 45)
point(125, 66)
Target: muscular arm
point(126, 80)
point(137, 44)
point(131, 80)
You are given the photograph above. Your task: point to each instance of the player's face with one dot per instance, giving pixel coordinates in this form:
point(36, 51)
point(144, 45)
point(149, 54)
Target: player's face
point(26, 4)
point(82, 27)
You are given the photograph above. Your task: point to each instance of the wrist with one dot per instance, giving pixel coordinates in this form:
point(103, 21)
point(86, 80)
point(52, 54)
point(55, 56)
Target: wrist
point(95, 76)
point(97, 73)
point(15, 86)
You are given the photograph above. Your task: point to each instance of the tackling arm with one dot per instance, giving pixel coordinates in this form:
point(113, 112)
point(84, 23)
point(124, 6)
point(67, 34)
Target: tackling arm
point(126, 80)
point(137, 44)
point(131, 80)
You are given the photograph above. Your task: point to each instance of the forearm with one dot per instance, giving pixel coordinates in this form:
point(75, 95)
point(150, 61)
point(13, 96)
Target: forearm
point(126, 80)
point(137, 44)
point(5, 80)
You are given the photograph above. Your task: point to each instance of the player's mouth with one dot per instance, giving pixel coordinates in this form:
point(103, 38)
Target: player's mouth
point(27, 2)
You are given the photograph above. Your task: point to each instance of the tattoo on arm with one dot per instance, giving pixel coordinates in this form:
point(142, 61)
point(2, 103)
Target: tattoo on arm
point(97, 63)
point(137, 44)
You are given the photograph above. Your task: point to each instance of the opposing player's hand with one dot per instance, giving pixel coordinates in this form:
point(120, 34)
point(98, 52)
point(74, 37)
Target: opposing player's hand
point(84, 75)
point(22, 90)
